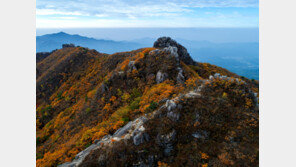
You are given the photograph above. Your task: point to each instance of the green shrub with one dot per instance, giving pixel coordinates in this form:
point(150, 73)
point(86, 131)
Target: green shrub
point(39, 156)
point(88, 110)
point(38, 141)
point(135, 104)
point(46, 110)
point(135, 93)
point(60, 96)
point(152, 107)
point(125, 119)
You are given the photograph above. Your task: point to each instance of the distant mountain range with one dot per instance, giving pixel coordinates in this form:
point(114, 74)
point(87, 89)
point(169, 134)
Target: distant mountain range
point(241, 58)
point(49, 42)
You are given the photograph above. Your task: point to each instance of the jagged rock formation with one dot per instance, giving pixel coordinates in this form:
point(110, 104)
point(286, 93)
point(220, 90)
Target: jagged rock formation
point(68, 45)
point(147, 107)
point(164, 42)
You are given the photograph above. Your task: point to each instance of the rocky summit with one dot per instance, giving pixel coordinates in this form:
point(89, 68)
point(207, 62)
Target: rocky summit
point(143, 108)
point(164, 42)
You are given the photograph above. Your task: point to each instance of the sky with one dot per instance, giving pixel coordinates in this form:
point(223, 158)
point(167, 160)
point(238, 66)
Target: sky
point(147, 13)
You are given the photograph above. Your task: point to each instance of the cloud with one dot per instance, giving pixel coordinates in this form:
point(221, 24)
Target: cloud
point(65, 18)
point(101, 15)
point(133, 8)
point(222, 3)
point(56, 12)
point(138, 13)
point(215, 21)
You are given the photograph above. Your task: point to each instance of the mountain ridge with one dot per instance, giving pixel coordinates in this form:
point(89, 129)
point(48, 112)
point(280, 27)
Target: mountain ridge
point(84, 97)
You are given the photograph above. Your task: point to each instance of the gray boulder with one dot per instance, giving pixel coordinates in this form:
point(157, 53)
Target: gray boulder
point(160, 77)
point(122, 131)
point(170, 105)
point(173, 115)
point(173, 51)
point(180, 76)
point(140, 138)
point(201, 134)
point(131, 66)
point(166, 141)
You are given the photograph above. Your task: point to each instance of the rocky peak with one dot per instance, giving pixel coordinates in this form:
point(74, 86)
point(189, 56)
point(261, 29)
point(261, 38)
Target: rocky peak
point(68, 45)
point(164, 42)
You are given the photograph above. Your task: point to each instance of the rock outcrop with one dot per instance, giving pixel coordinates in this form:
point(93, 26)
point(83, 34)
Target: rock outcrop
point(160, 77)
point(68, 45)
point(182, 51)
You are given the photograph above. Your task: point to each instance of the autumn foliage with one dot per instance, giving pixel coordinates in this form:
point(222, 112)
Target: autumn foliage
point(83, 95)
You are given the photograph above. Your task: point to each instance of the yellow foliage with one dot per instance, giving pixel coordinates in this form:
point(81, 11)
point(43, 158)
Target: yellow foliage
point(134, 72)
point(191, 82)
point(113, 123)
point(224, 95)
point(248, 103)
point(147, 50)
point(124, 64)
point(156, 93)
point(125, 97)
point(225, 159)
point(139, 56)
point(107, 107)
point(91, 93)
point(162, 164)
point(204, 155)
point(190, 71)
point(204, 165)
point(113, 98)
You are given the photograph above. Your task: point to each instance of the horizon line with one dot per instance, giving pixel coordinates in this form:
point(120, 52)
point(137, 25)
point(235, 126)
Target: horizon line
point(143, 27)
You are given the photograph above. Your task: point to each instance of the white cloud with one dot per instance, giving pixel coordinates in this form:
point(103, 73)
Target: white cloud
point(101, 15)
point(129, 13)
point(220, 21)
point(65, 18)
point(56, 12)
point(134, 8)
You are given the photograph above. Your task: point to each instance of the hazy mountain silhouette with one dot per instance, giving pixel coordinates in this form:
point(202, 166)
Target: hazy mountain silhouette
point(49, 42)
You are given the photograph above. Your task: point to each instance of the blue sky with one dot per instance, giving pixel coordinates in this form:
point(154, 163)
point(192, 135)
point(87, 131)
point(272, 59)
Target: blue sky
point(146, 13)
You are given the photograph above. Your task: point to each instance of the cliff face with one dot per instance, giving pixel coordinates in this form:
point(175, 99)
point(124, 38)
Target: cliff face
point(148, 107)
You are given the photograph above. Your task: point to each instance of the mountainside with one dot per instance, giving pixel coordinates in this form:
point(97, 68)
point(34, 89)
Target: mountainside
point(49, 42)
point(146, 107)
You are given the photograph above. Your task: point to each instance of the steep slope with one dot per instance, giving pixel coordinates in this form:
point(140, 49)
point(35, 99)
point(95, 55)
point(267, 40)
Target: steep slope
point(49, 42)
point(173, 111)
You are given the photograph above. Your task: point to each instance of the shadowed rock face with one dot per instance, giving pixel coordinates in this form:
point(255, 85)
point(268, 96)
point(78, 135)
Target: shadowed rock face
point(163, 42)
